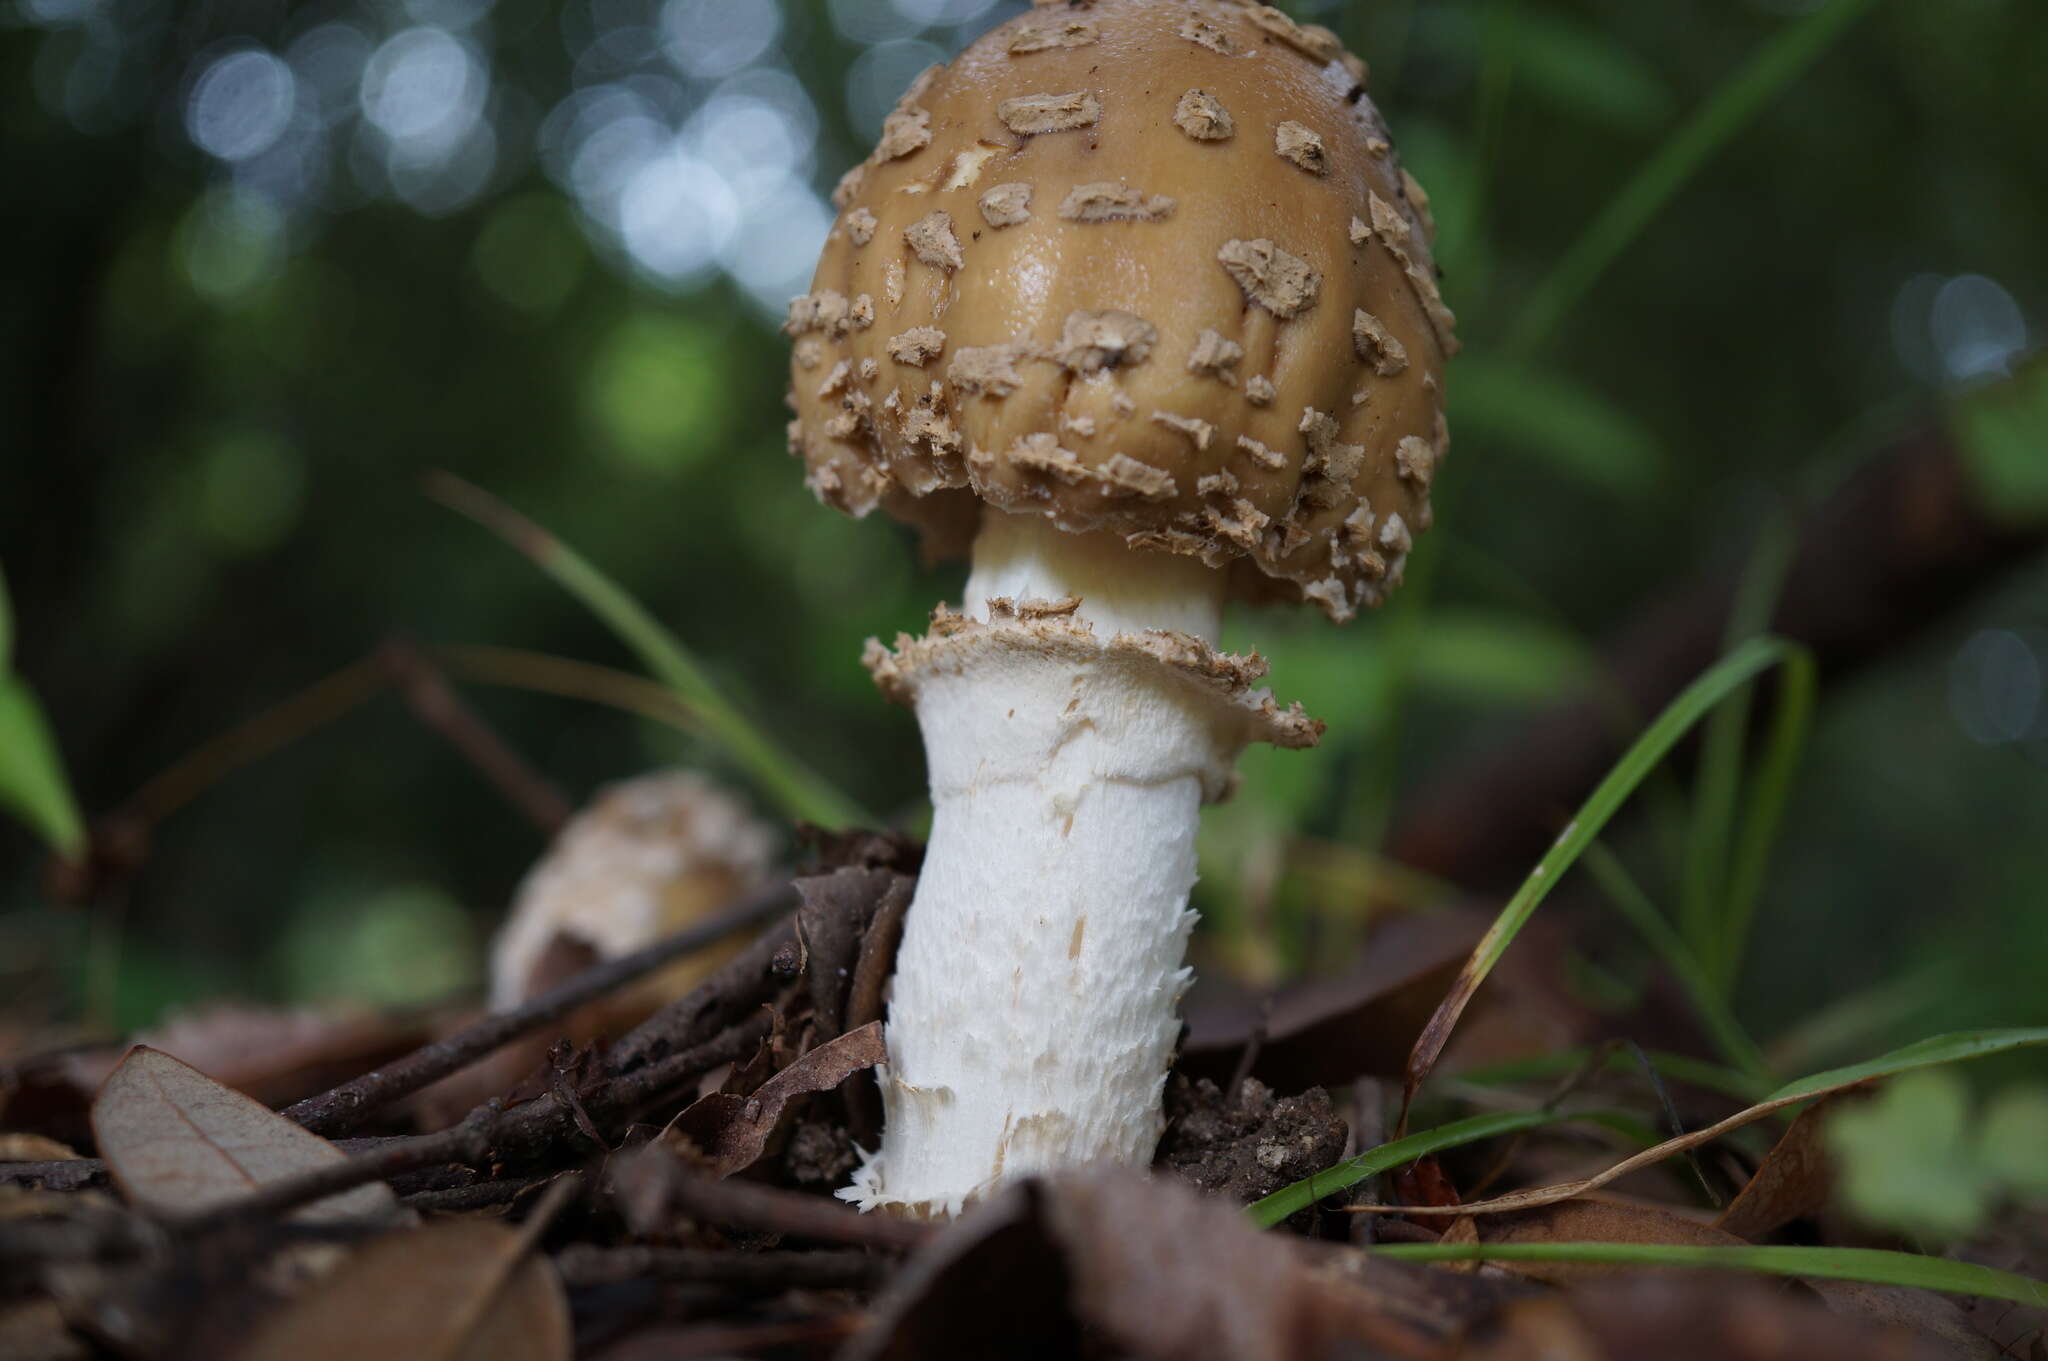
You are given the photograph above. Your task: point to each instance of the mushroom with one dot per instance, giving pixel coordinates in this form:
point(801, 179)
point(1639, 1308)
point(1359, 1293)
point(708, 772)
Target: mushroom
point(648, 856)
point(1126, 417)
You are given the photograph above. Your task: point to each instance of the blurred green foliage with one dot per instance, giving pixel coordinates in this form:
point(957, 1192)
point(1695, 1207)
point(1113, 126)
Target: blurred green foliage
point(1918, 1159)
point(227, 376)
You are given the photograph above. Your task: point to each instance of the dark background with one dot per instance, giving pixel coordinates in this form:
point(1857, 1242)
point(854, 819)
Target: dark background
point(266, 265)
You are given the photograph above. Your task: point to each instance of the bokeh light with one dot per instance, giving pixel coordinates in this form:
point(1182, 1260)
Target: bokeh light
point(241, 104)
point(1994, 687)
point(712, 38)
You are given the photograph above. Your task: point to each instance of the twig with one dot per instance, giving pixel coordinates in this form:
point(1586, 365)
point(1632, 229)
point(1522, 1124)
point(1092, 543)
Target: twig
point(68, 1174)
point(736, 988)
point(489, 1133)
point(434, 702)
point(346, 1106)
point(584, 1264)
point(467, 1142)
point(739, 1339)
point(750, 1205)
point(480, 1195)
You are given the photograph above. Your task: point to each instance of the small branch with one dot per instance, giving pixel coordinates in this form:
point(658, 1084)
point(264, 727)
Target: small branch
point(738, 986)
point(433, 702)
point(843, 1270)
point(346, 1106)
point(488, 1134)
point(467, 1142)
point(751, 1205)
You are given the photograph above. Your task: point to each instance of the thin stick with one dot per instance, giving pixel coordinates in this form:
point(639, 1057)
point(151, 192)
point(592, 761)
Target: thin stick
point(489, 1133)
point(434, 702)
point(346, 1106)
point(751, 1205)
point(584, 1264)
point(272, 730)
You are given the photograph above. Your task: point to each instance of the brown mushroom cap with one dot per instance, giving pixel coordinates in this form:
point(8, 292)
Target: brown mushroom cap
point(1142, 265)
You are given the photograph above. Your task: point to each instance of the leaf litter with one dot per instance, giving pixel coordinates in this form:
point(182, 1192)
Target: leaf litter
point(695, 1216)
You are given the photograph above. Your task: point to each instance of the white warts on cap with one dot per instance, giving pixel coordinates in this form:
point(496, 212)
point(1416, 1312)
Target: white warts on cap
point(1112, 201)
point(932, 240)
point(903, 132)
point(1031, 114)
point(1043, 33)
point(1377, 345)
point(1202, 33)
point(1301, 145)
point(860, 225)
point(1202, 116)
point(1197, 430)
point(1280, 282)
point(1006, 205)
point(1092, 341)
point(917, 345)
point(1215, 354)
point(987, 368)
point(1415, 460)
point(1312, 41)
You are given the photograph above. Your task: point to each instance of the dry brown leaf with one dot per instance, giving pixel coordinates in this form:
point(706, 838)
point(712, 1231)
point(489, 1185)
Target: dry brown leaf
point(733, 1130)
point(1332, 1031)
point(456, 1290)
point(273, 1054)
point(1687, 1318)
point(178, 1142)
point(1143, 1265)
point(1792, 1182)
point(1596, 1220)
point(34, 1148)
point(1937, 1318)
point(34, 1330)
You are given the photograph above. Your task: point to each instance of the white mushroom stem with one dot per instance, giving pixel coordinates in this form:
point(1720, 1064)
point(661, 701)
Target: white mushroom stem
point(1034, 1006)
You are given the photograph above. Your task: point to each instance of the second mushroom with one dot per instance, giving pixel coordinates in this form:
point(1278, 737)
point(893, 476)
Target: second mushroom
point(1133, 303)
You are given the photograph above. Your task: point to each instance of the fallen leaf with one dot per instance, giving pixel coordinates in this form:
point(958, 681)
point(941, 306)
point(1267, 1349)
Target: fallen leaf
point(832, 920)
point(1793, 1180)
point(1677, 1318)
point(1937, 1318)
point(34, 1148)
point(274, 1055)
point(1328, 1032)
point(734, 1130)
point(455, 1290)
point(178, 1142)
point(34, 1330)
point(1596, 1220)
point(1143, 1265)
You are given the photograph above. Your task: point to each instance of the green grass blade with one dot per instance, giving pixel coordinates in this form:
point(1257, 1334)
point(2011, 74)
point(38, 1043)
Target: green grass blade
point(1775, 65)
point(1634, 905)
point(1872, 1265)
point(1678, 718)
point(33, 785)
point(1769, 791)
point(1274, 1208)
point(1718, 788)
point(1964, 1044)
point(1712, 1077)
point(801, 792)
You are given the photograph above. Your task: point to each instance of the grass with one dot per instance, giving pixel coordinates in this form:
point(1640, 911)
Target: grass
point(800, 792)
point(1872, 1265)
point(1775, 65)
